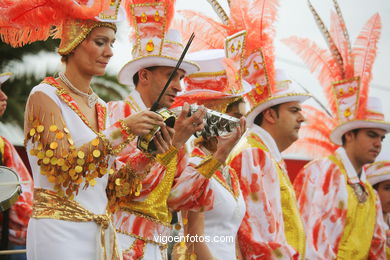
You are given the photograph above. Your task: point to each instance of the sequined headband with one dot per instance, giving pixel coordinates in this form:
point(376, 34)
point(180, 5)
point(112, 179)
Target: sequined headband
point(73, 32)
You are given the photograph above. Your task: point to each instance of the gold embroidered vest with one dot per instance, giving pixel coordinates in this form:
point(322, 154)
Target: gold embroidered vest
point(356, 240)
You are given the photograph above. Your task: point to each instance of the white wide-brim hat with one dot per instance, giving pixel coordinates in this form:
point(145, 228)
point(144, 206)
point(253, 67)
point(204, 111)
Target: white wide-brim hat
point(167, 56)
point(378, 171)
point(374, 119)
point(287, 90)
point(4, 77)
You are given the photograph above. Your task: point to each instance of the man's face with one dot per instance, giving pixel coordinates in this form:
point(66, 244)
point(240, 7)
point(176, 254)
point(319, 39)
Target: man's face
point(289, 121)
point(157, 82)
point(366, 144)
point(384, 195)
point(3, 101)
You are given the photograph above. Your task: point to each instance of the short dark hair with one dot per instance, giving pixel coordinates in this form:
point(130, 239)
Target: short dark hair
point(260, 117)
point(355, 131)
point(136, 77)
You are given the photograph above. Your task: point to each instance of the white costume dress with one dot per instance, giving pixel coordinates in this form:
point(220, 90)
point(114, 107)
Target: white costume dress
point(221, 223)
point(49, 238)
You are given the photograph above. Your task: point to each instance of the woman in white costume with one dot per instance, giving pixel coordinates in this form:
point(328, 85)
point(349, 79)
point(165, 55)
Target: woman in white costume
point(217, 88)
point(69, 144)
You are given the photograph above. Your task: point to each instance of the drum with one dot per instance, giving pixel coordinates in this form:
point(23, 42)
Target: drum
point(10, 188)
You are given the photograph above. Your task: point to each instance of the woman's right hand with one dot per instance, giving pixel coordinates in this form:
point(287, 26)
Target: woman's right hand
point(141, 123)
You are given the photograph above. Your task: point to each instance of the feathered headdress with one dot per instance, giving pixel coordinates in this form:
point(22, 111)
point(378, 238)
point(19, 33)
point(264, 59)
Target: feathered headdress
point(257, 18)
point(154, 43)
point(26, 21)
point(344, 73)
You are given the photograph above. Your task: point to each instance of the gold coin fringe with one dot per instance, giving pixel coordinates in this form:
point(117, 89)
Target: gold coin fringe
point(62, 163)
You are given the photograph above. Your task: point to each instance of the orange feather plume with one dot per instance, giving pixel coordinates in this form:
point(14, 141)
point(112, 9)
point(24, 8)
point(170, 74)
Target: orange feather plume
point(364, 52)
point(338, 33)
point(26, 21)
point(257, 18)
point(189, 21)
point(319, 61)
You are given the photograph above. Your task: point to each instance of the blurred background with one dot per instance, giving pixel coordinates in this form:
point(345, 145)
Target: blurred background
point(30, 64)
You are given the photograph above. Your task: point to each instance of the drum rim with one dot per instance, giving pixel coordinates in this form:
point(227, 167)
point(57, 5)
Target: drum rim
point(8, 202)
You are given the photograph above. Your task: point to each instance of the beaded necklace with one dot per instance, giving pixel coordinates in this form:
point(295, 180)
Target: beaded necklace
point(92, 98)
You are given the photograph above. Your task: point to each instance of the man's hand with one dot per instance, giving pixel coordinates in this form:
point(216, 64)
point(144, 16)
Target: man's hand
point(227, 142)
point(163, 139)
point(141, 123)
point(187, 126)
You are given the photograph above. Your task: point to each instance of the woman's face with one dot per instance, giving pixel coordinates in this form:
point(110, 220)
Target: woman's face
point(384, 195)
point(93, 54)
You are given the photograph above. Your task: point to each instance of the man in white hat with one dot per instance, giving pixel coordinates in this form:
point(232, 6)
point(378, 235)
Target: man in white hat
point(15, 219)
point(334, 195)
point(142, 217)
point(378, 175)
point(340, 210)
point(272, 225)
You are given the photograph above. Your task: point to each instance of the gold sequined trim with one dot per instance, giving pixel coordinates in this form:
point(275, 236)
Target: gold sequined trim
point(208, 166)
point(86, 27)
point(48, 205)
point(166, 158)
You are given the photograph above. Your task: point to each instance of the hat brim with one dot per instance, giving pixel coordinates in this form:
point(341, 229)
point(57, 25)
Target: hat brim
point(374, 179)
point(127, 72)
point(273, 101)
point(5, 76)
point(213, 94)
point(204, 94)
point(339, 131)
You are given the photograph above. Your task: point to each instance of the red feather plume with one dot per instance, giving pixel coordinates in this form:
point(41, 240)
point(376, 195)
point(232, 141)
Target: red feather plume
point(190, 21)
point(339, 35)
point(319, 61)
point(26, 21)
point(364, 52)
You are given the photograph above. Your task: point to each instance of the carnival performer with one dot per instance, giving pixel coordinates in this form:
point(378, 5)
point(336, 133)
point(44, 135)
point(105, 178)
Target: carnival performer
point(14, 232)
point(69, 142)
point(272, 226)
point(378, 175)
point(215, 86)
point(142, 216)
point(340, 210)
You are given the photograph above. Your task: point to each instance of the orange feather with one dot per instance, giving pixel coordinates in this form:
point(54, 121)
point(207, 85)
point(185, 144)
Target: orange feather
point(32, 20)
point(338, 33)
point(364, 52)
point(319, 61)
point(190, 21)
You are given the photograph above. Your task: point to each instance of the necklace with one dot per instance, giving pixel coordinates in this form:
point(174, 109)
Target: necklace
point(92, 98)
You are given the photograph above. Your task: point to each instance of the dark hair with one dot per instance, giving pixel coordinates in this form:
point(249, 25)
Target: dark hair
point(65, 58)
point(355, 131)
point(376, 186)
point(233, 104)
point(260, 117)
point(136, 77)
